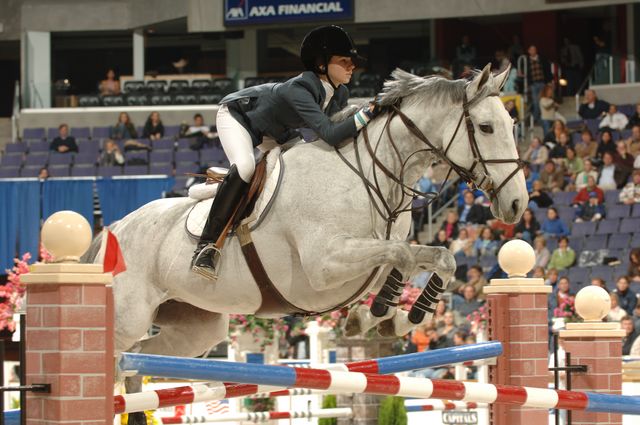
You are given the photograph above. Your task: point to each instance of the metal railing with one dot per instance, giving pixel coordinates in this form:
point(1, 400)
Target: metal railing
point(431, 215)
point(15, 115)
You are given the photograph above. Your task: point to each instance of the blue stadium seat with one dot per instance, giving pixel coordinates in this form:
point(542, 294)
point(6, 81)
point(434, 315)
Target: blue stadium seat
point(159, 156)
point(164, 144)
point(186, 156)
point(30, 171)
point(38, 146)
point(9, 172)
point(60, 158)
point(58, 170)
point(171, 130)
point(585, 228)
point(579, 275)
point(595, 242)
point(80, 132)
point(109, 171)
point(136, 170)
point(17, 147)
point(635, 212)
point(618, 211)
point(611, 197)
point(37, 159)
point(161, 168)
point(186, 167)
point(99, 133)
point(629, 225)
point(608, 226)
point(619, 241)
point(563, 198)
point(11, 160)
point(83, 170)
point(33, 133)
point(86, 158)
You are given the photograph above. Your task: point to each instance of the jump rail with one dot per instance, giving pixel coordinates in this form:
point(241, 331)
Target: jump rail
point(261, 416)
point(172, 367)
point(137, 402)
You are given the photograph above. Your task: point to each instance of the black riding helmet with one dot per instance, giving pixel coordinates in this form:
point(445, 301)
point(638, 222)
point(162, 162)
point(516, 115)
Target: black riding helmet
point(323, 42)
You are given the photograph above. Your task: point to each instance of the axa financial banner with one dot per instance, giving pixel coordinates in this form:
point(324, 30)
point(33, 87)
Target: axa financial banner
point(248, 12)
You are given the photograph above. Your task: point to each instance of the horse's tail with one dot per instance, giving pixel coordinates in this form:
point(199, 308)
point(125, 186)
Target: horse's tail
point(89, 257)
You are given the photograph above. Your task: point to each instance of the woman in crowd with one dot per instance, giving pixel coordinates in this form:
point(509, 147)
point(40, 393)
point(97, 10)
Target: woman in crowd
point(543, 256)
point(123, 129)
point(111, 154)
point(440, 239)
point(634, 265)
point(553, 226)
point(573, 165)
point(606, 144)
point(486, 244)
point(153, 128)
point(563, 256)
point(537, 154)
point(462, 245)
point(528, 227)
point(616, 313)
point(548, 108)
point(553, 137)
point(450, 225)
point(110, 86)
point(539, 198)
point(582, 179)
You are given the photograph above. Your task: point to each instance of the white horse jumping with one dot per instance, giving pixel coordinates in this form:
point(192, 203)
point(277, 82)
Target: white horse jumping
point(329, 229)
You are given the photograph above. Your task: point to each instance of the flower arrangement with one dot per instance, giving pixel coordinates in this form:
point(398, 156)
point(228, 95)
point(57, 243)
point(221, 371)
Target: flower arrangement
point(479, 320)
point(13, 291)
point(566, 309)
point(262, 330)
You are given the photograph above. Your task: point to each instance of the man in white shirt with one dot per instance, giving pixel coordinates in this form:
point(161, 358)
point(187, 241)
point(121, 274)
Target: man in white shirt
point(607, 173)
point(614, 120)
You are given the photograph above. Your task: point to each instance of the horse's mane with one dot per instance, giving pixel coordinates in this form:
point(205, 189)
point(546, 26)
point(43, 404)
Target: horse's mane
point(406, 85)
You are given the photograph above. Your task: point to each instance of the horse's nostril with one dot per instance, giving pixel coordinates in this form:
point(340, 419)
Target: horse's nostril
point(515, 206)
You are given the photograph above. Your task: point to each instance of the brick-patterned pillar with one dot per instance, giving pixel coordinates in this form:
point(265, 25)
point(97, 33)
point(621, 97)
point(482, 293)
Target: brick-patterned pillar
point(518, 318)
point(69, 334)
point(597, 345)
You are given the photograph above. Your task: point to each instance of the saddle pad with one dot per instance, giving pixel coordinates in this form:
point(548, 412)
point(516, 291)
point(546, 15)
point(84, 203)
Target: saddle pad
point(197, 216)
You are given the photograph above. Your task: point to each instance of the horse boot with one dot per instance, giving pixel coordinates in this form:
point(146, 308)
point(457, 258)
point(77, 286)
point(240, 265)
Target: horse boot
point(224, 205)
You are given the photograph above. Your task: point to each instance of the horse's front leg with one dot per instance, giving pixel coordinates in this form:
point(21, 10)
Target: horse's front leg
point(351, 258)
point(443, 265)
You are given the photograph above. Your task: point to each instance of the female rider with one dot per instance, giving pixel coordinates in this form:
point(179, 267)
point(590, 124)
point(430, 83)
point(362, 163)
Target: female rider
point(275, 112)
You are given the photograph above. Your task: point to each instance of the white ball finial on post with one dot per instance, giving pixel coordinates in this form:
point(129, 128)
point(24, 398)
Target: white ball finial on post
point(593, 303)
point(67, 236)
point(516, 258)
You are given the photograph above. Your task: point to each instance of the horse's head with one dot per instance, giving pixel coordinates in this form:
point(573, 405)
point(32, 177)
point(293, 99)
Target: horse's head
point(479, 144)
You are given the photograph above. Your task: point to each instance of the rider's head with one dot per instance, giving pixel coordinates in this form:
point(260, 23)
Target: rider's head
point(331, 53)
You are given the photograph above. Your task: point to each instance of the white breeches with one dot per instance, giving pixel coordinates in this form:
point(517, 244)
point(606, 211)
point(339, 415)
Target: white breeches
point(236, 142)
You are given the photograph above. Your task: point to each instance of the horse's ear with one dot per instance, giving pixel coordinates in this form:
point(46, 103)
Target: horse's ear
point(479, 81)
point(501, 79)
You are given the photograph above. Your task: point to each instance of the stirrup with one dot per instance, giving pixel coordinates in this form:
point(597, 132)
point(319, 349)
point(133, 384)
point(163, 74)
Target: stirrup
point(206, 269)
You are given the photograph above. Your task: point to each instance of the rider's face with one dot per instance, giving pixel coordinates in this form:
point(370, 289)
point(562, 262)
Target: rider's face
point(340, 69)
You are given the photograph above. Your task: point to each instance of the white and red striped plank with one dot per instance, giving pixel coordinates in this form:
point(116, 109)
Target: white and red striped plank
point(260, 416)
point(436, 405)
point(354, 382)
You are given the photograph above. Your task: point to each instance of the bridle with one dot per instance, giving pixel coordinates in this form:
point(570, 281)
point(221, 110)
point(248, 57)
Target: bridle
point(470, 175)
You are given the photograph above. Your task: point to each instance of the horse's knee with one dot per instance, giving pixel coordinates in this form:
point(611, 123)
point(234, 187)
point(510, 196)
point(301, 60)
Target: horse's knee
point(405, 259)
point(447, 261)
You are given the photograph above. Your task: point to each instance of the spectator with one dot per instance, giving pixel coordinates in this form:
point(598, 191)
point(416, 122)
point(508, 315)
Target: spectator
point(626, 297)
point(538, 272)
point(539, 198)
point(606, 144)
point(582, 179)
point(572, 63)
point(446, 332)
point(590, 211)
point(501, 62)
point(573, 165)
point(630, 194)
point(560, 294)
point(528, 227)
point(450, 225)
point(511, 108)
point(476, 278)
point(462, 245)
point(563, 256)
point(515, 49)
point(124, 128)
point(623, 160)
point(440, 239)
point(470, 212)
point(616, 313)
point(538, 75)
point(529, 176)
point(548, 108)
point(552, 278)
point(582, 197)
point(609, 174)
point(43, 174)
point(537, 154)
point(613, 120)
point(598, 281)
point(553, 226)
point(551, 177)
point(63, 143)
point(559, 151)
point(592, 107)
point(630, 335)
point(636, 316)
point(552, 138)
point(543, 256)
point(200, 133)
point(486, 244)
point(633, 142)
point(586, 147)
point(153, 128)
point(420, 338)
point(502, 230)
point(111, 154)
point(469, 303)
point(634, 119)
point(465, 54)
point(110, 86)
point(634, 265)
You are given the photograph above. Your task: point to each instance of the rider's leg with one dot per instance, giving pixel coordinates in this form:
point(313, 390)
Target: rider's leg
point(238, 146)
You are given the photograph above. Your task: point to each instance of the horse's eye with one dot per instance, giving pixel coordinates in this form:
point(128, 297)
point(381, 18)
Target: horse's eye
point(486, 128)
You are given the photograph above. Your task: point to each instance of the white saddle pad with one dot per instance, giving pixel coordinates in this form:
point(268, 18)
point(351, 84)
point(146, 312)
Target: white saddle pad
point(197, 216)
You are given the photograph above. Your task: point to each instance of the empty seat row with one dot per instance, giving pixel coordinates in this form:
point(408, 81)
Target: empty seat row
point(219, 86)
point(40, 133)
point(142, 99)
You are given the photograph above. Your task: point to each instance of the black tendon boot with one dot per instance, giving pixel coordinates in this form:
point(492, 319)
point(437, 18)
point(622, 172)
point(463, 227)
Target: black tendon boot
point(224, 204)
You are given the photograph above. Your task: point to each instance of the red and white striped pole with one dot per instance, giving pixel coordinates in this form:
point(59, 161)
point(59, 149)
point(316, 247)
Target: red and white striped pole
point(260, 416)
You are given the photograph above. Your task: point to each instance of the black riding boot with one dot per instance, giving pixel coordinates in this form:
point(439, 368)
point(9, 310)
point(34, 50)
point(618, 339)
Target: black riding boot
point(227, 197)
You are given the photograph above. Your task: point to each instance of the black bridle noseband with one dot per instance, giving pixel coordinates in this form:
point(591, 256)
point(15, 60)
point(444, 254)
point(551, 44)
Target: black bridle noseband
point(470, 176)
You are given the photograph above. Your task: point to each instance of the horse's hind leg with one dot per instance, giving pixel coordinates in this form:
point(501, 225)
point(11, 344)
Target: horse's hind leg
point(185, 330)
point(442, 263)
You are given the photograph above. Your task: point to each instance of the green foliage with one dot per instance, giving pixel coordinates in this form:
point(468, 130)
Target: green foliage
point(328, 402)
point(392, 412)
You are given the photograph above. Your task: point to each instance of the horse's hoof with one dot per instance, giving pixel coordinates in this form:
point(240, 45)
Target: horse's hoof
point(137, 418)
point(398, 325)
point(352, 326)
point(386, 328)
